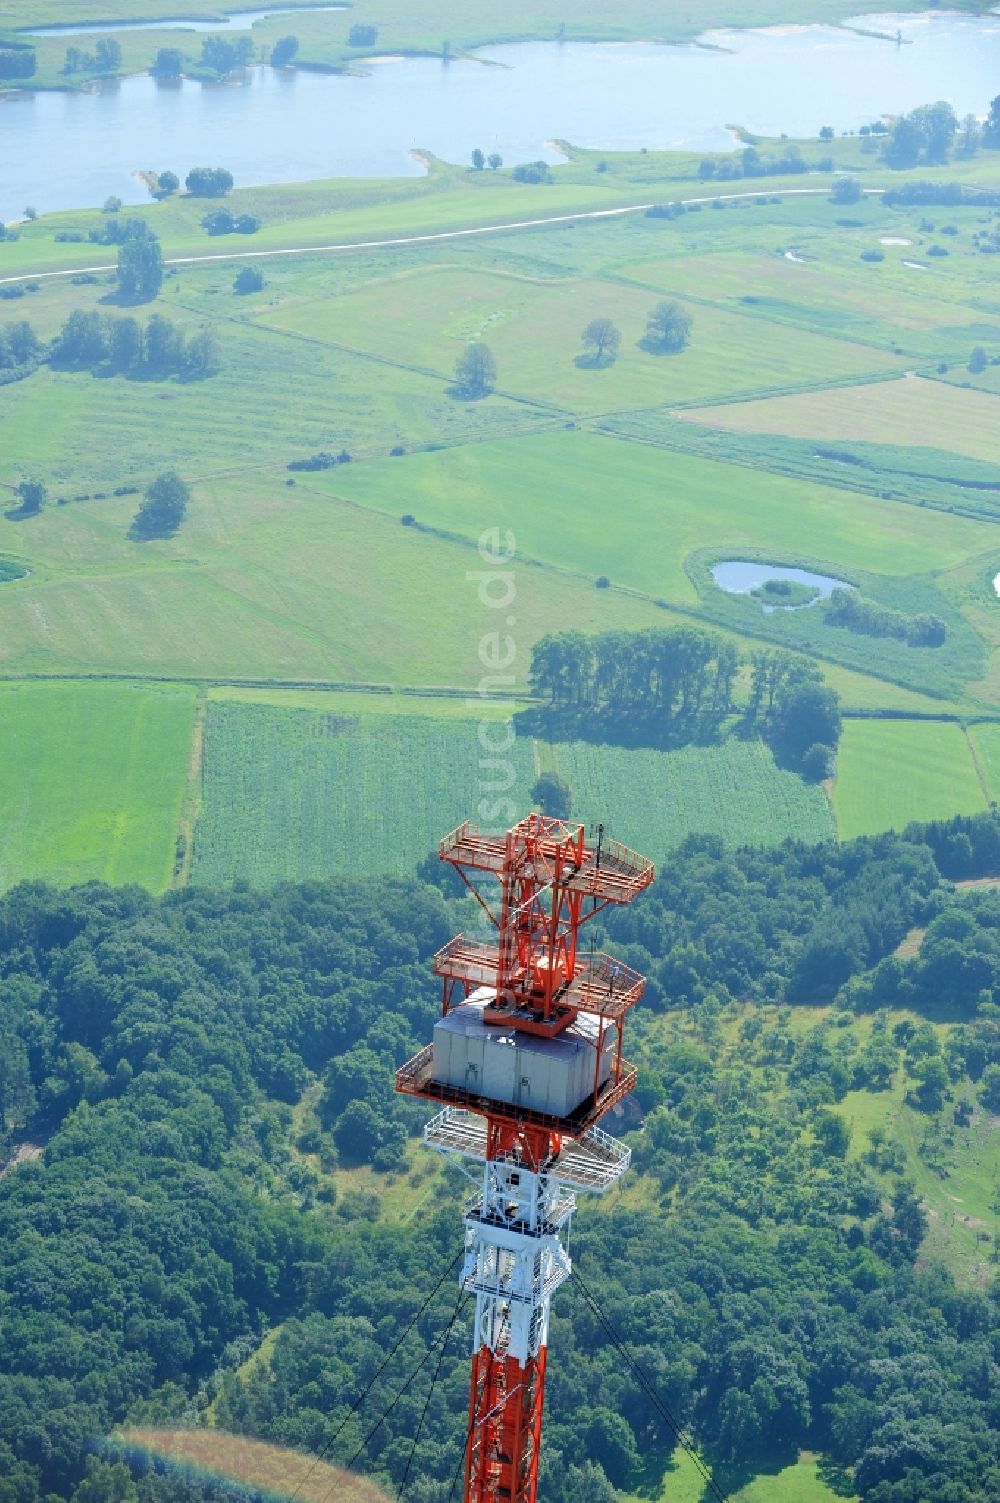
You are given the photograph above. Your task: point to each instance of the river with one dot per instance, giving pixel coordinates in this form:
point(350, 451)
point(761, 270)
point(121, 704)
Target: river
point(70, 150)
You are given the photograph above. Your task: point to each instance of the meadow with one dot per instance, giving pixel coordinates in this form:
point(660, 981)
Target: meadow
point(273, 585)
point(93, 779)
point(890, 773)
point(665, 507)
point(426, 319)
point(273, 1470)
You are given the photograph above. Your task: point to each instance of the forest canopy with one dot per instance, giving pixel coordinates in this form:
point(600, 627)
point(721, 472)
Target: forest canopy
point(771, 1287)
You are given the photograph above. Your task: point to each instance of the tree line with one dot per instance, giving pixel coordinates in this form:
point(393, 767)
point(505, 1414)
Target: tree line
point(849, 609)
point(158, 348)
point(17, 61)
point(928, 135)
point(681, 674)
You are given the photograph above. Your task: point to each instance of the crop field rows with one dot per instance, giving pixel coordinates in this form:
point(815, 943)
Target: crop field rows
point(304, 784)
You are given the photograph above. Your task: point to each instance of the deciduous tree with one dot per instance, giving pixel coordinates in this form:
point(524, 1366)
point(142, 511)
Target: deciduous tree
point(668, 329)
point(140, 269)
point(475, 371)
point(602, 341)
point(163, 507)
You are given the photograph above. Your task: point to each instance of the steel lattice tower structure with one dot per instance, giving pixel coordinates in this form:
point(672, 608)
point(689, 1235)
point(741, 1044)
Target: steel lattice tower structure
point(529, 1000)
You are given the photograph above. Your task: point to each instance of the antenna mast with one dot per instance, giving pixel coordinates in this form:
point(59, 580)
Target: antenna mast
point(526, 1060)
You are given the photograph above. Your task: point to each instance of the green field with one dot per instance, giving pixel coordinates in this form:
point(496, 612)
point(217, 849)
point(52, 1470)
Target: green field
point(277, 586)
point(290, 795)
point(665, 506)
point(93, 779)
point(293, 794)
point(652, 799)
point(985, 740)
point(427, 319)
point(889, 773)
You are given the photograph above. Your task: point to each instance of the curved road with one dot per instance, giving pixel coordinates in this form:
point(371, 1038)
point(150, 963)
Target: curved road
point(355, 245)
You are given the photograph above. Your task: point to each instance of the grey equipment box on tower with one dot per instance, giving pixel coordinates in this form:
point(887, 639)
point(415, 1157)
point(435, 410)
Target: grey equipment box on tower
point(552, 1075)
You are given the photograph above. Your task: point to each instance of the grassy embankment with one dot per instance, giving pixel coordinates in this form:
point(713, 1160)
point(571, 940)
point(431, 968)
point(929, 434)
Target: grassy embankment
point(318, 582)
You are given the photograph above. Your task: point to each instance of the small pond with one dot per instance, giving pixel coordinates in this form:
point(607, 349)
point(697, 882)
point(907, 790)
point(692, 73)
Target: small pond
point(240, 20)
point(741, 577)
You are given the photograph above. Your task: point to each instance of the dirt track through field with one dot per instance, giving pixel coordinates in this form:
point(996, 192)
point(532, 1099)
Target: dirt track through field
point(346, 246)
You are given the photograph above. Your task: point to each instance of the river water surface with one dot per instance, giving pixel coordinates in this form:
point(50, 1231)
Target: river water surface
point(69, 150)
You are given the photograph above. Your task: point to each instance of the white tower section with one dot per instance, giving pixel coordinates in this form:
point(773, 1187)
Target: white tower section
point(515, 1255)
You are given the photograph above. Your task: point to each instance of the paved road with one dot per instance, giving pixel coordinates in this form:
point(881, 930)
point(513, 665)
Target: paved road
point(356, 245)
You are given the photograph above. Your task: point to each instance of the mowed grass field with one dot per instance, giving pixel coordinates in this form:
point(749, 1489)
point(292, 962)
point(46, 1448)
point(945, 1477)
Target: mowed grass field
point(652, 799)
point(270, 582)
point(921, 413)
point(570, 487)
point(891, 772)
point(427, 319)
point(91, 781)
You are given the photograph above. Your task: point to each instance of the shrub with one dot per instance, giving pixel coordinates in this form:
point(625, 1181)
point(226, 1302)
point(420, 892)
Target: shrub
point(846, 190)
point(248, 279)
point(362, 36)
point(321, 461)
point(872, 255)
point(553, 796)
point(532, 172)
point(818, 762)
point(208, 182)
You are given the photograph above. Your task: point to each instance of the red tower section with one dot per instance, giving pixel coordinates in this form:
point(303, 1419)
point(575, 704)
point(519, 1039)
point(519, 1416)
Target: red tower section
point(529, 1062)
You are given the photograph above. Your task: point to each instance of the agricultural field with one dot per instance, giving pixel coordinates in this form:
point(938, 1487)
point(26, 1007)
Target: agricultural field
point(290, 792)
point(925, 414)
point(275, 585)
point(290, 795)
point(93, 780)
point(652, 799)
point(267, 582)
point(890, 773)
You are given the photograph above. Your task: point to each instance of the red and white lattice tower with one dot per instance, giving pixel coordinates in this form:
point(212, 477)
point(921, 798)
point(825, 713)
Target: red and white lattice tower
point(526, 1060)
